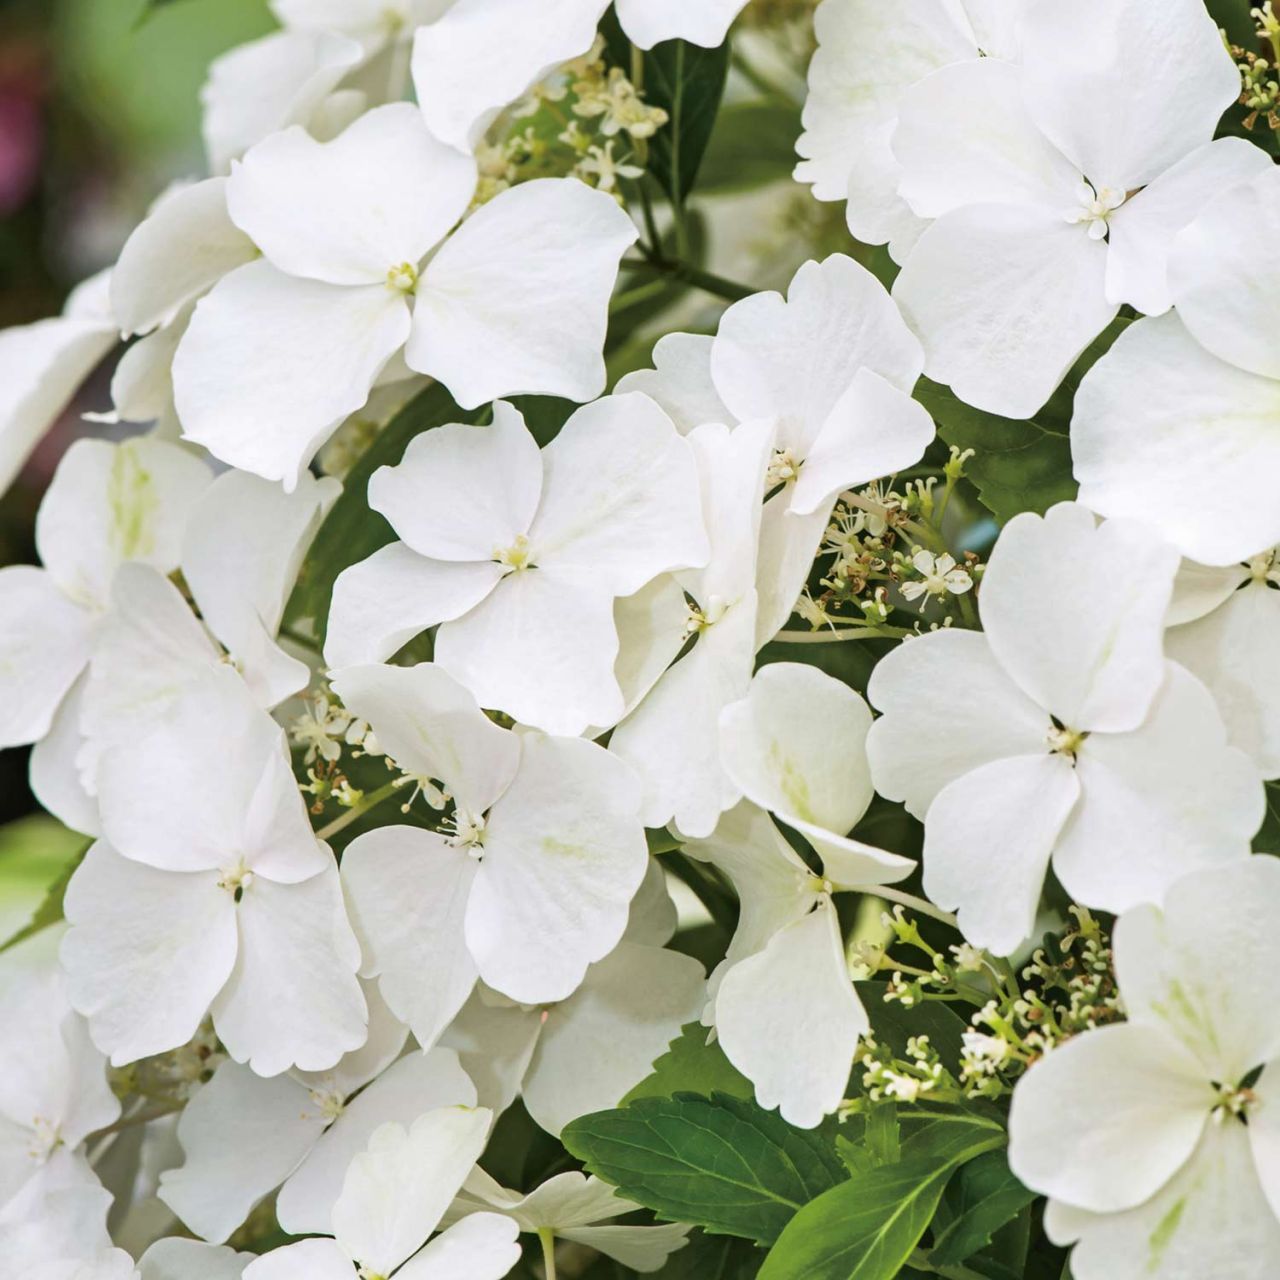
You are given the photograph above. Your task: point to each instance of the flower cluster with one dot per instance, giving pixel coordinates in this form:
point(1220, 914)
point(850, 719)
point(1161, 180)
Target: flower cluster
point(873, 693)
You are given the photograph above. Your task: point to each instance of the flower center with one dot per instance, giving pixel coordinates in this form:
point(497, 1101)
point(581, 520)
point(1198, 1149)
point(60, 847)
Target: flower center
point(1095, 209)
point(516, 556)
point(465, 830)
point(46, 1138)
point(1234, 1100)
point(1263, 567)
point(404, 278)
point(703, 619)
point(1064, 741)
point(235, 880)
point(329, 1103)
point(784, 467)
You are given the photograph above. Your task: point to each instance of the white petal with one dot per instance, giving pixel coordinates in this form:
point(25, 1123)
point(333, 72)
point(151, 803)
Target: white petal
point(542, 649)
point(965, 137)
point(306, 356)
point(1123, 90)
point(947, 708)
point(293, 999)
point(463, 493)
point(110, 504)
point(653, 917)
point(481, 1247)
point(418, 1083)
point(1210, 1219)
point(380, 604)
point(55, 774)
point(788, 544)
point(242, 1136)
point(381, 194)
point(651, 633)
point(672, 738)
point(620, 499)
point(397, 1190)
point(648, 22)
point(987, 840)
point(1138, 1105)
point(175, 1259)
point(241, 556)
point(483, 54)
point(642, 1248)
point(307, 1260)
point(146, 953)
point(41, 367)
point(796, 991)
point(1143, 231)
point(178, 253)
point(1231, 1027)
point(268, 85)
point(869, 56)
point(1264, 1139)
point(604, 1039)
point(387, 1039)
point(1233, 651)
point(142, 384)
point(793, 359)
point(1158, 803)
point(1199, 589)
point(432, 727)
point(408, 893)
point(874, 430)
point(516, 300)
point(563, 857)
point(680, 382)
point(1085, 645)
point(1168, 434)
point(494, 1039)
point(1004, 298)
point(158, 807)
point(45, 641)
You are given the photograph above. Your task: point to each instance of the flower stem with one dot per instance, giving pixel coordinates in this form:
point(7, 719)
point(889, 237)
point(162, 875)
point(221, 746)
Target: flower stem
point(359, 810)
point(708, 282)
point(548, 1238)
point(911, 901)
point(837, 634)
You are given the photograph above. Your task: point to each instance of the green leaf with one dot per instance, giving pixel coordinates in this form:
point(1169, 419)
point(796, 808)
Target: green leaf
point(37, 858)
point(892, 1025)
point(1268, 838)
point(712, 1258)
point(987, 1196)
point(867, 1228)
point(722, 1163)
point(753, 143)
point(691, 1065)
point(874, 1142)
point(351, 532)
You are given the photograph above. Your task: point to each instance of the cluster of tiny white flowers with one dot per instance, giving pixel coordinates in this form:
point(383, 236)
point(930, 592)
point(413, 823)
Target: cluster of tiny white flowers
point(370, 759)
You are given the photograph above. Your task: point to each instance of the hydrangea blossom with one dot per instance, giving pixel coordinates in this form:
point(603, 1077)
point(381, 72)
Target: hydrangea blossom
point(1048, 216)
point(345, 228)
point(1168, 1167)
point(1177, 425)
point(1036, 740)
point(519, 555)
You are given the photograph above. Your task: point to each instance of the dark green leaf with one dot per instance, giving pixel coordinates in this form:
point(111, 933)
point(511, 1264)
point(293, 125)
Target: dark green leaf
point(712, 1258)
point(351, 532)
point(986, 1197)
point(1268, 838)
point(867, 1227)
point(870, 1138)
point(892, 1025)
point(691, 1065)
point(722, 1163)
point(753, 143)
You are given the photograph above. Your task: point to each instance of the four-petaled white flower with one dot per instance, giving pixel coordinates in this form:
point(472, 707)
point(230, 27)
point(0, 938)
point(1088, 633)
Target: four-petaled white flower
point(361, 261)
point(1157, 1140)
point(1049, 215)
point(519, 555)
point(396, 1194)
point(1060, 732)
point(938, 576)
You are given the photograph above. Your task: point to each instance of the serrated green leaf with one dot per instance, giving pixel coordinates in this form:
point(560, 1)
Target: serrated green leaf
point(987, 1196)
point(868, 1227)
point(721, 1163)
point(691, 1065)
point(712, 1258)
point(351, 532)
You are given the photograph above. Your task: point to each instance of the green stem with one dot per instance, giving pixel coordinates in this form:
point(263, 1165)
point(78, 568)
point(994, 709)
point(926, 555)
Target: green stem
point(909, 900)
point(548, 1239)
point(838, 634)
point(707, 281)
point(719, 904)
point(359, 810)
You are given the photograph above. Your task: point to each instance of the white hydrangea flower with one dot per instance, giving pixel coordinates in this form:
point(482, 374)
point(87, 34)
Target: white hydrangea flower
point(576, 1208)
point(519, 555)
point(395, 1195)
point(210, 892)
point(1179, 424)
point(65, 1239)
point(376, 24)
point(869, 57)
point(243, 1136)
point(833, 365)
point(42, 366)
point(1060, 732)
point(187, 1259)
point(361, 261)
point(483, 55)
point(1225, 629)
point(1168, 1166)
point(1048, 215)
point(108, 505)
point(534, 882)
point(939, 576)
point(795, 745)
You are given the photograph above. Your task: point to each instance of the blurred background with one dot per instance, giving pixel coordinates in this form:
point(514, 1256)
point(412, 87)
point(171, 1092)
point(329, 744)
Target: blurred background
point(99, 111)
